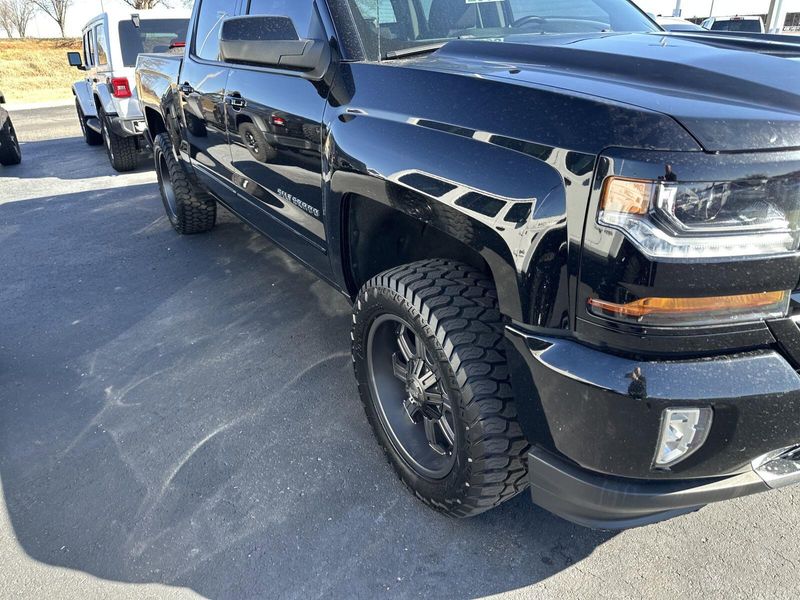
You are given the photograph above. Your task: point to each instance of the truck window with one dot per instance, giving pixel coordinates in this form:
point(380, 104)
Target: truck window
point(209, 21)
point(301, 12)
point(152, 35)
point(744, 25)
point(388, 26)
point(102, 46)
point(587, 9)
point(88, 49)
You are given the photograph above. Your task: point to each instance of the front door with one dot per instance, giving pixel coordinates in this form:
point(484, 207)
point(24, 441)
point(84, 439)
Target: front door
point(202, 90)
point(89, 58)
point(275, 134)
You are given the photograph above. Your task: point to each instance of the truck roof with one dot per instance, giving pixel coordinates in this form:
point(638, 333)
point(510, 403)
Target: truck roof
point(737, 18)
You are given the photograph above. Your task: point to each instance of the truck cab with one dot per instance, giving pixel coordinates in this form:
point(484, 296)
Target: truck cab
point(105, 97)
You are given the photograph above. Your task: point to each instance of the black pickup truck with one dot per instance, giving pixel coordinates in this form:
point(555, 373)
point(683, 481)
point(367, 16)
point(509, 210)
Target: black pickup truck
point(571, 239)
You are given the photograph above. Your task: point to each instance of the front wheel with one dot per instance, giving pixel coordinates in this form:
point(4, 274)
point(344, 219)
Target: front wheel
point(190, 208)
point(432, 374)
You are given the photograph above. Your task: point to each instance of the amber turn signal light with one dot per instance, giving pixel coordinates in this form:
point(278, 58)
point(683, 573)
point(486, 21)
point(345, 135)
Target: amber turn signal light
point(628, 196)
point(690, 306)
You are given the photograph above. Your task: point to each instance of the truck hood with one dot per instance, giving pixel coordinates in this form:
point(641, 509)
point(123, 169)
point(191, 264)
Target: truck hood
point(731, 94)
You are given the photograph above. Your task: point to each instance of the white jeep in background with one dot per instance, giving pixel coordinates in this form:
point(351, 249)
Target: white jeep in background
point(108, 109)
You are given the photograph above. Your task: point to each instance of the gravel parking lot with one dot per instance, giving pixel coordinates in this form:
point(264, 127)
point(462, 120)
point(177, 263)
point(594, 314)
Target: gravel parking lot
point(178, 416)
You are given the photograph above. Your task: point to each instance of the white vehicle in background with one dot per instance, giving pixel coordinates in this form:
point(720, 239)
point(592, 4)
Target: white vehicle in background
point(737, 24)
point(677, 24)
point(105, 98)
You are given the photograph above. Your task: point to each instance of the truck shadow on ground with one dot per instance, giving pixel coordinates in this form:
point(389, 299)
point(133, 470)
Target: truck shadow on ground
point(66, 159)
point(183, 411)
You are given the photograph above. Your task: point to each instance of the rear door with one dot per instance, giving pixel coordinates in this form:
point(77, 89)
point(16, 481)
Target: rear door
point(103, 52)
point(202, 89)
point(275, 133)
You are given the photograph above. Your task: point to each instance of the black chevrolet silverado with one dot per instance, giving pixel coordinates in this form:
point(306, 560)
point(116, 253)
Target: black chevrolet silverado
point(571, 239)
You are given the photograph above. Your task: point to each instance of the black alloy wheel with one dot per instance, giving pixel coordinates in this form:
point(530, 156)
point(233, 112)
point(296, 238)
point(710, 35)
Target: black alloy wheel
point(413, 403)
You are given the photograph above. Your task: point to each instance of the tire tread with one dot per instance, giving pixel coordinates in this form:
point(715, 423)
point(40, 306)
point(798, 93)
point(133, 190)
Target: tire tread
point(196, 208)
point(459, 303)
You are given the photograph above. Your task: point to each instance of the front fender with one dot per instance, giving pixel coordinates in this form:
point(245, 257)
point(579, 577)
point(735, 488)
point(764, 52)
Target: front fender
point(106, 100)
point(84, 96)
point(505, 199)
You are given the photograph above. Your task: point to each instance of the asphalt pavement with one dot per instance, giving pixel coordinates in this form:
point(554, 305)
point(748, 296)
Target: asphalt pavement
point(178, 417)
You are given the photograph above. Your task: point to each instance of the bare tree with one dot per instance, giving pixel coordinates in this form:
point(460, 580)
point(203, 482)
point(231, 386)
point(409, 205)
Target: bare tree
point(148, 4)
point(56, 10)
point(21, 14)
point(145, 4)
point(7, 18)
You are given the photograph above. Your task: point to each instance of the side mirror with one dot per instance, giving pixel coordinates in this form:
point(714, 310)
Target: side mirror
point(272, 42)
point(76, 60)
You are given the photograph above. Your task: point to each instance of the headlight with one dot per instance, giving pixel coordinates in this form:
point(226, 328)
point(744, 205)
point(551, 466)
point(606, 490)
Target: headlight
point(704, 220)
point(696, 312)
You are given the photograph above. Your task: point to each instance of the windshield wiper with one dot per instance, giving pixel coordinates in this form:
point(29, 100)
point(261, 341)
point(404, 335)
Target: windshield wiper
point(412, 51)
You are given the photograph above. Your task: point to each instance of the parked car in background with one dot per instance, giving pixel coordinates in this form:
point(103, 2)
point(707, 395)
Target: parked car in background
point(105, 98)
point(676, 24)
point(10, 153)
point(739, 24)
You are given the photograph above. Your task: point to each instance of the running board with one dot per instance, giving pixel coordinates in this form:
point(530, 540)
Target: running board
point(93, 123)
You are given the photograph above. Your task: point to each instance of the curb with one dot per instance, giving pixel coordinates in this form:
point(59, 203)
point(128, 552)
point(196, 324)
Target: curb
point(18, 107)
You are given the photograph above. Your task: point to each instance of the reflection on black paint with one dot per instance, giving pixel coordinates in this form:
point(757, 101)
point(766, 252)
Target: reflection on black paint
point(480, 203)
point(638, 386)
point(519, 213)
point(427, 184)
point(547, 276)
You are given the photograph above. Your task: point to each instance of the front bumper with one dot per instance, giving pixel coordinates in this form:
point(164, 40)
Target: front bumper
point(597, 420)
point(603, 502)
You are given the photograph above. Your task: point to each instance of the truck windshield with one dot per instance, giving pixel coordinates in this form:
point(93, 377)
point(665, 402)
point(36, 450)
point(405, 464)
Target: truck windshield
point(393, 28)
point(152, 35)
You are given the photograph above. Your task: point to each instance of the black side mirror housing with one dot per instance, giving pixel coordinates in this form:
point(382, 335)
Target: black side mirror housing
point(76, 60)
point(273, 42)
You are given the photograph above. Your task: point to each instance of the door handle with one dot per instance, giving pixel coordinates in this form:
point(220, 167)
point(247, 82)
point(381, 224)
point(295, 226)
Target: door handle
point(235, 100)
point(185, 88)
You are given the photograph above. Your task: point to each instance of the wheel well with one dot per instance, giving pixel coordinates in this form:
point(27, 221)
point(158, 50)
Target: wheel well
point(241, 119)
point(394, 239)
point(155, 122)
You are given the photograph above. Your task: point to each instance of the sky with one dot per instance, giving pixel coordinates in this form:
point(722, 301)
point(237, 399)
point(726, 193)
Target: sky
point(82, 10)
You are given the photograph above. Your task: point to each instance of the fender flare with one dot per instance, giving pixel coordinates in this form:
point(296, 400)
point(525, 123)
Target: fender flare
point(85, 99)
point(102, 93)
